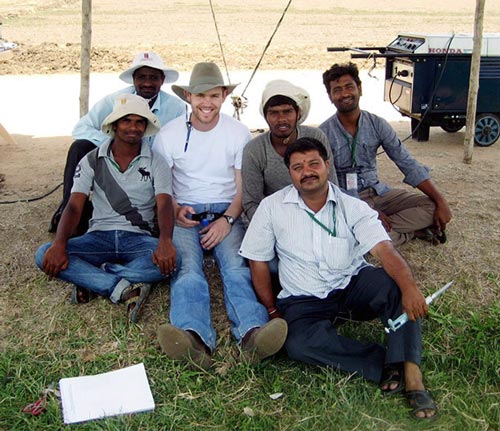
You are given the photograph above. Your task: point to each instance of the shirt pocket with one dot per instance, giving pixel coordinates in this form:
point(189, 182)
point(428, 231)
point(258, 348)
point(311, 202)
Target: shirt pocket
point(338, 253)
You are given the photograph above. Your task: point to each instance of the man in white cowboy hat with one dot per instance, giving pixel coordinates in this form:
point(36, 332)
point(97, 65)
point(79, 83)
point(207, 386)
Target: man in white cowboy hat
point(285, 107)
point(205, 156)
point(146, 74)
point(119, 256)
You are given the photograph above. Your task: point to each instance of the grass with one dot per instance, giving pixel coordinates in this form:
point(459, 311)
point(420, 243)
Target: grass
point(43, 338)
point(461, 364)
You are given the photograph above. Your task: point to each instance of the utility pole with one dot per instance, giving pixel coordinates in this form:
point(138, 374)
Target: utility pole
point(85, 56)
point(475, 63)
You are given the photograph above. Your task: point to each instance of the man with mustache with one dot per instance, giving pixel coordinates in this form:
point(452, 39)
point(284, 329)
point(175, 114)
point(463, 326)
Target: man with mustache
point(147, 74)
point(320, 236)
point(355, 137)
point(285, 107)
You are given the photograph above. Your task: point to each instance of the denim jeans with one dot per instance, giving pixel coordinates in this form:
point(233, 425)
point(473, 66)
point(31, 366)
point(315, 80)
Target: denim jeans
point(190, 295)
point(127, 255)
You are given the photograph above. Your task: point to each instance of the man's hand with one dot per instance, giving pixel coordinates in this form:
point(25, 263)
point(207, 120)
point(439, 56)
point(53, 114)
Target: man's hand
point(165, 257)
point(414, 304)
point(442, 216)
point(214, 233)
point(183, 219)
point(385, 221)
point(55, 260)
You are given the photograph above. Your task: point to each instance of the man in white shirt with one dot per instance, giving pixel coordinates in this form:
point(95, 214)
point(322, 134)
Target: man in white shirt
point(205, 152)
point(320, 236)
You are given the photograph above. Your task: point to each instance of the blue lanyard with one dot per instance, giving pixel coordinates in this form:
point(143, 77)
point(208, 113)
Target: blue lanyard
point(189, 127)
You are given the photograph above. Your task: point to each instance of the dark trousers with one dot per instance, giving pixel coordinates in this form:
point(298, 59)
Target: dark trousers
point(312, 326)
point(76, 152)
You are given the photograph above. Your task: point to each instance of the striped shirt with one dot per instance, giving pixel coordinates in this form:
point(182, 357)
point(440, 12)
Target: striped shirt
point(312, 262)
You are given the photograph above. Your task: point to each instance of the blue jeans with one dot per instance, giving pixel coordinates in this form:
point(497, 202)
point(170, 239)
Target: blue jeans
point(190, 295)
point(127, 255)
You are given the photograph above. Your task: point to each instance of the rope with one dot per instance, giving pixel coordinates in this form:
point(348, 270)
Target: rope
point(32, 199)
point(267, 46)
point(220, 42)
point(241, 102)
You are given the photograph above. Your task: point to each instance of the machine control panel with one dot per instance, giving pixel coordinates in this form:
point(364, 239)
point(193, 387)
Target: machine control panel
point(407, 44)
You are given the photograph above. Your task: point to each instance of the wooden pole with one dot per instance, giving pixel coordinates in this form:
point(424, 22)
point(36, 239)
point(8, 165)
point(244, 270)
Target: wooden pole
point(474, 82)
point(85, 56)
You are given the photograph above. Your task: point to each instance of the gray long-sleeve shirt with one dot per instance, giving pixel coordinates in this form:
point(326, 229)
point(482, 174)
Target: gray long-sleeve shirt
point(373, 132)
point(264, 171)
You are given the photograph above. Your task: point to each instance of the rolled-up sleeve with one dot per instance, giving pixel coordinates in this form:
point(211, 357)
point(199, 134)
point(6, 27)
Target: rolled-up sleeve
point(259, 241)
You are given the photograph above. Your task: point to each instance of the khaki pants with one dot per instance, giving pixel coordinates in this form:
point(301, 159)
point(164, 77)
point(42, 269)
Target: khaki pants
point(407, 211)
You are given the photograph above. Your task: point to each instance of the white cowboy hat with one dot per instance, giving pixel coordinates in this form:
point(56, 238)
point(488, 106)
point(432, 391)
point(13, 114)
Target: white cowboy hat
point(204, 77)
point(280, 87)
point(127, 104)
point(148, 59)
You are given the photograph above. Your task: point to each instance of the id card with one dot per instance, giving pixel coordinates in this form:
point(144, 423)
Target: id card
point(351, 181)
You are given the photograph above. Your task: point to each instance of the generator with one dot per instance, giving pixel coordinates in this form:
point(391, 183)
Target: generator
point(427, 80)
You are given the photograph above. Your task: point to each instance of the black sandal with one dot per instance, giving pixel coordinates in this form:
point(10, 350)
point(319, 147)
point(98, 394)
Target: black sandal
point(392, 374)
point(420, 400)
point(81, 295)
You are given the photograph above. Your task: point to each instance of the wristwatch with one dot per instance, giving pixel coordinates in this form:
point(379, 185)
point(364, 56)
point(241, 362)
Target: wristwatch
point(229, 219)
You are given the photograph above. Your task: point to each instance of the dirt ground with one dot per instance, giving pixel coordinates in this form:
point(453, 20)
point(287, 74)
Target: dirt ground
point(48, 31)
point(48, 36)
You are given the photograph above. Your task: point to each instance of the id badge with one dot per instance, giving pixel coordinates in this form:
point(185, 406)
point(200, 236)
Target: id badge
point(351, 181)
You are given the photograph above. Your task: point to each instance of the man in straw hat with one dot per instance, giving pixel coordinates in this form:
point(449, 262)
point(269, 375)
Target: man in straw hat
point(285, 107)
point(205, 156)
point(146, 74)
point(356, 136)
point(119, 256)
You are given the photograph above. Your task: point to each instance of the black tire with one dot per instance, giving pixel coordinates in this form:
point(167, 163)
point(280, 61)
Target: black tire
point(486, 129)
point(452, 127)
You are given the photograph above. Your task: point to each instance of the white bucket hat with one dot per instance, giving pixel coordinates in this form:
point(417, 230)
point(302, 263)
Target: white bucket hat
point(149, 59)
point(204, 77)
point(127, 104)
point(280, 87)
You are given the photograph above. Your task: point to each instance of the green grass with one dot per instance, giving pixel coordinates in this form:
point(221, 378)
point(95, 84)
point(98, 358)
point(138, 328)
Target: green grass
point(461, 364)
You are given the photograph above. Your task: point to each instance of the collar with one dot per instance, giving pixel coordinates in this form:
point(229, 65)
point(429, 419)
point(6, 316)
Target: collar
point(105, 149)
point(292, 196)
point(341, 126)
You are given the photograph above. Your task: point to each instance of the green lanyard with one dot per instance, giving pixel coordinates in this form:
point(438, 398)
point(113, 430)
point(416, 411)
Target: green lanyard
point(352, 147)
point(330, 231)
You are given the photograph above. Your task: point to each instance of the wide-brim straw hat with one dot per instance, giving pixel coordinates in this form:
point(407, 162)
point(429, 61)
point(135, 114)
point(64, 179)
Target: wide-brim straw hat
point(149, 59)
point(280, 87)
point(205, 76)
point(127, 104)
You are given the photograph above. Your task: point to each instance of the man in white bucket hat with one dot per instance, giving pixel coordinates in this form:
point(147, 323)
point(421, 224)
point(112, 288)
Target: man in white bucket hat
point(205, 156)
point(146, 74)
point(120, 256)
point(285, 107)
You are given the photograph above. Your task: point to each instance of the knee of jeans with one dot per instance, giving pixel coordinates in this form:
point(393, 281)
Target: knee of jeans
point(40, 254)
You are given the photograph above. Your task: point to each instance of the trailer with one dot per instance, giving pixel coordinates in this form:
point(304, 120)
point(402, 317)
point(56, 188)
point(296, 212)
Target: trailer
point(427, 80)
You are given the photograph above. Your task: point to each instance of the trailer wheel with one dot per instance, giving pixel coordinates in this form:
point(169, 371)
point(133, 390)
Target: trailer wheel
point(452, 127)
point(487, 130)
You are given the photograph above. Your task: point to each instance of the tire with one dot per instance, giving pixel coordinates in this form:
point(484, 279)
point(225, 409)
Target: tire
point(486, 129)
point(452, 127)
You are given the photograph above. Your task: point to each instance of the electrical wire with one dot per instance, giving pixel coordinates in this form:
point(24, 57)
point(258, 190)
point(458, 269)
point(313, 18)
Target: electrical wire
point(32, 199)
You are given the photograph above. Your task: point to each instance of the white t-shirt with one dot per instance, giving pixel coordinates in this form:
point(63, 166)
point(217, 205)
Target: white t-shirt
point(203, 170)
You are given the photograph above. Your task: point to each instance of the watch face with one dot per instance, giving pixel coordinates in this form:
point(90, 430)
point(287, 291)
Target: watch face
point(229, 219)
